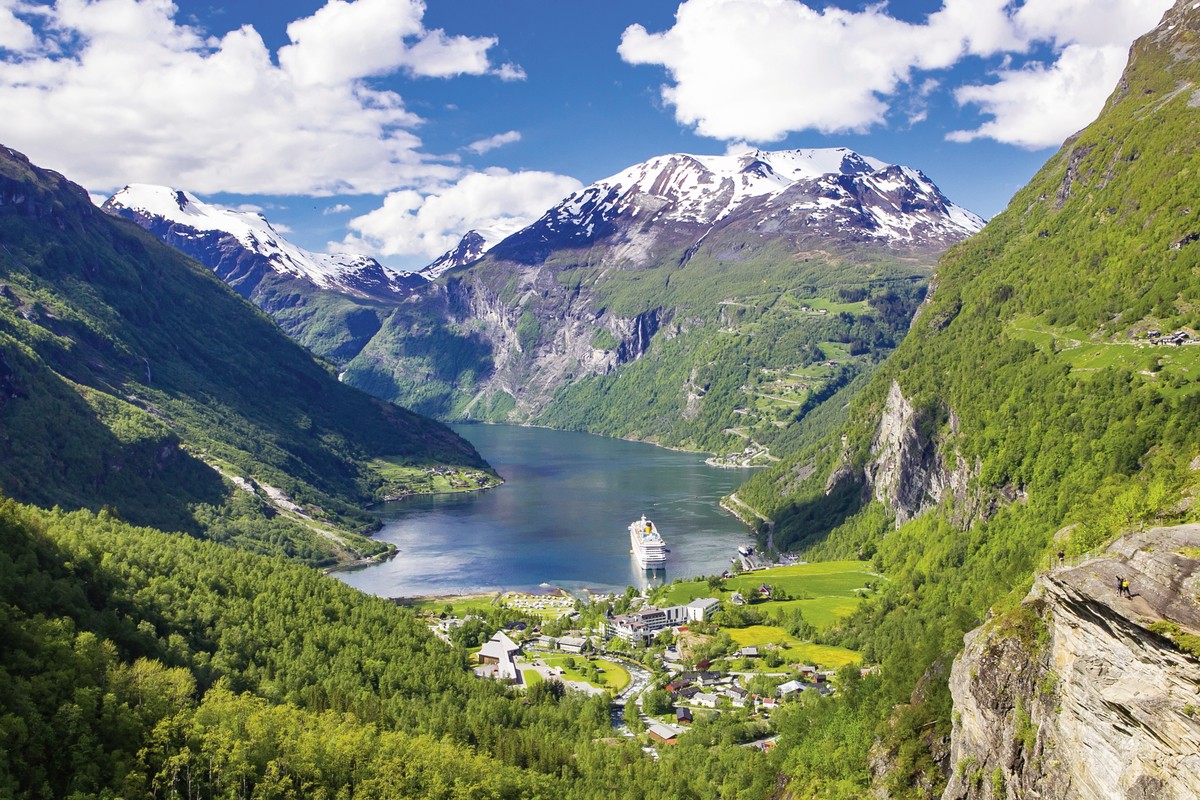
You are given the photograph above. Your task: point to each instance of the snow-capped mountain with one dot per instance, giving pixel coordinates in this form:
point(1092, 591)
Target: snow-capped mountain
point(242, 247)
point(833, 192)
point(666, 245)
point(470, 248)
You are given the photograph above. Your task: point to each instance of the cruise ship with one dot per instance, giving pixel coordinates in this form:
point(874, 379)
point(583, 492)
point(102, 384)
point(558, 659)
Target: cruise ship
point(648, 546)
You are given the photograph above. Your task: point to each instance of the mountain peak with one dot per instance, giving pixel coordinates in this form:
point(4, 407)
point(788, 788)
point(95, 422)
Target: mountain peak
point(832, 192)
point(472, 247)
point(216, 235)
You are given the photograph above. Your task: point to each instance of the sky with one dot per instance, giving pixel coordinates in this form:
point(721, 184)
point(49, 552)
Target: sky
point(391, 127)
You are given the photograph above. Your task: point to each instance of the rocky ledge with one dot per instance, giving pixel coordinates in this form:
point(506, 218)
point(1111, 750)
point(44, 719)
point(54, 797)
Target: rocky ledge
point(1083, 693)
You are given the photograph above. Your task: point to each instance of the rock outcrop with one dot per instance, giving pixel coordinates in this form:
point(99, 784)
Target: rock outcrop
point(1083, 693)
point(909, 470)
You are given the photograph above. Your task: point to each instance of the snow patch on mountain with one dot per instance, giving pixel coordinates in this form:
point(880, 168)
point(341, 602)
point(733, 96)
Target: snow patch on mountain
point(472, 247)
point(191, 217)
point(889, 201)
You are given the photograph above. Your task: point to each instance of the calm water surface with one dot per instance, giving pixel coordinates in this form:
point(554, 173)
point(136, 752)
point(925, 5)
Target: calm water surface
point(561, 518)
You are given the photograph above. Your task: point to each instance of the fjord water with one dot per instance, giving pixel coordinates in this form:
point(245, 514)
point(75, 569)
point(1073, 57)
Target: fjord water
point(561, 518)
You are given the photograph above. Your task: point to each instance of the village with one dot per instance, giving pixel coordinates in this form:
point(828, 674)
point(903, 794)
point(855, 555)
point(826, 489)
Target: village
point(664, 657)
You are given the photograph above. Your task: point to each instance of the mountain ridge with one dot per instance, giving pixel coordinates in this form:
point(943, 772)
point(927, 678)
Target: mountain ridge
point(541, 325)
point(135, 379)
point(247, 245)
point(686, 189)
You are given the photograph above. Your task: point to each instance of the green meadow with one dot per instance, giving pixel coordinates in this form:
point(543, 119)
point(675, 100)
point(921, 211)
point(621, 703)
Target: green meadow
point(1170, 366)
point(824, 591)
point(792, 649)
point(401, 479)
point(460, 605)
point(613, 675)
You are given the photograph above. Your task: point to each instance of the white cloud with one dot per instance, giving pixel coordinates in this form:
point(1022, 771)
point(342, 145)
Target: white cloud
point(117, 91)
point(1041, 105)
point(511, 72)
point(410, 223)
point(336, 208)
point(1089, 22)
point(784, 66)
point(757, 70)
point(14, 34)
point(754, 89)
point(492, 142)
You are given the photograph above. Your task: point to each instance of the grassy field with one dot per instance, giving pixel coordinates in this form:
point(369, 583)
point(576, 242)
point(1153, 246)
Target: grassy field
point(682, 593)
point(792, 649)
point(460, 605)
point(837, 579)
point(403, 480)
point(827, 591)
point(616, 677)
point(818, 304)
point(820, 612)
point(1085, 353)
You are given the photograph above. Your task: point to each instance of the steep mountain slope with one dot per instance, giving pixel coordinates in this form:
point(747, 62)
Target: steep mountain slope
point(134, 378)
point(244, 250)
point(701, 301)
point(331, 303)
point(1047, 385)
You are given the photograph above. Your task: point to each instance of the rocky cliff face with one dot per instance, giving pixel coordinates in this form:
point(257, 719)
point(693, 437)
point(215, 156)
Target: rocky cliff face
point(909, 471)
point(1087, 695)
point(543, 337)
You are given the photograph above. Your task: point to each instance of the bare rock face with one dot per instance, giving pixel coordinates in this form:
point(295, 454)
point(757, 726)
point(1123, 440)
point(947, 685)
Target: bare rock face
point(1079, 697)
point(908, 471)
point(545, 335)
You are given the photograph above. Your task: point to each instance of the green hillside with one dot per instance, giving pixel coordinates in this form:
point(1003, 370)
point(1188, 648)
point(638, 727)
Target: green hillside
point(738, 348)
point(1032, 370)
point(142, 664)
point(760, 345)
point(132, 378)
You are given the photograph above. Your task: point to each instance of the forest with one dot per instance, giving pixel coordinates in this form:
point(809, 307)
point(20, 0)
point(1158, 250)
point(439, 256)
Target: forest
point(145, 664)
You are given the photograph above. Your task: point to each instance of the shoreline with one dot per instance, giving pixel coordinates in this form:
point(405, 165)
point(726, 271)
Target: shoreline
point(376, 503)
point(588, 433)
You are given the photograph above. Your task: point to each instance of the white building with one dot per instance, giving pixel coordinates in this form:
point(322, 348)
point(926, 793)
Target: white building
point(644, 624)
point(639, 625)
point(502, 651)
point(701, 608)
point(572, 644)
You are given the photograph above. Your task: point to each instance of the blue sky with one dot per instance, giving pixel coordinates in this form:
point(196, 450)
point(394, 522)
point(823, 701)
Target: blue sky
point(392, 126)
